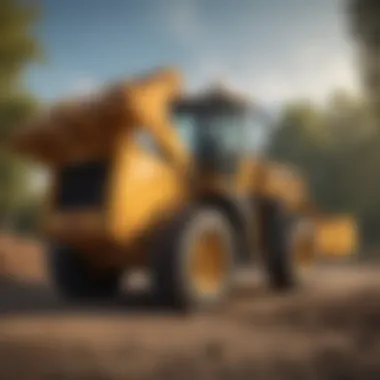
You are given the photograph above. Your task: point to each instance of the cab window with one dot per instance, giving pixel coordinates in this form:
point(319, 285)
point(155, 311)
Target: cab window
point(220, 143)
point(186, 126)
point(256, 134)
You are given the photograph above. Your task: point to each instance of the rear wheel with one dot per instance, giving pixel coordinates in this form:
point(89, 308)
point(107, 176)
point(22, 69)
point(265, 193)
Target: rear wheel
point(289, 250)
point(75, 279)
point(193, 269)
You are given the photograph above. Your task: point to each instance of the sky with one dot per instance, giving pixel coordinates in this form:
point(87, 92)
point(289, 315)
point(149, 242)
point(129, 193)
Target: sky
point(273, 50)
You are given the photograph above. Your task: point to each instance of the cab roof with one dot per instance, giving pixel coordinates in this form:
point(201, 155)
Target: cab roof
point(216, 99)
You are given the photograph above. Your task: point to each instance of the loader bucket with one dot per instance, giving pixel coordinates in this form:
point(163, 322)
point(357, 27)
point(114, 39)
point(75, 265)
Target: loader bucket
point(337, 237)
point(79, 129)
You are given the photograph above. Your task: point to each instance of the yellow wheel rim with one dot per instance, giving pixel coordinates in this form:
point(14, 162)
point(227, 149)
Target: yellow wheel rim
point(209, 265)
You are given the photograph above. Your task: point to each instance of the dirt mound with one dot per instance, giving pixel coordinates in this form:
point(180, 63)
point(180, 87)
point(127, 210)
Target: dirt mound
point(21, 260)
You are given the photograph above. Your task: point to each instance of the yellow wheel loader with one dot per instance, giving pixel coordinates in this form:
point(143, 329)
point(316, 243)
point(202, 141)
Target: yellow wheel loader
point(146, 177)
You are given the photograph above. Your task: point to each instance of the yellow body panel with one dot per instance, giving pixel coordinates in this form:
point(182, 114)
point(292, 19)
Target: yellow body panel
point(143, 189)
point(337, 236)
point(272, 180)
point(247, 182)
point(285, 184)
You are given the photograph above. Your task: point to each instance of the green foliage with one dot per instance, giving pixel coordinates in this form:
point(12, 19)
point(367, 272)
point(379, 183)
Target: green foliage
point(337, 148)
point(18, 48)
point(364, 20)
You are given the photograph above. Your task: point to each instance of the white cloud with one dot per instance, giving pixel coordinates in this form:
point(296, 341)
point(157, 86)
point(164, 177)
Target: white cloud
point(313, 73)
point(318, 69)
point(313, 69)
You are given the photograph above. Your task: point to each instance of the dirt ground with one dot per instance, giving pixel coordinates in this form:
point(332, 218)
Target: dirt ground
point(330, 329)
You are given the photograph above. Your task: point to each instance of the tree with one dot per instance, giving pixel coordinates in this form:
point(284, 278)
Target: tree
point(302, 139)
point(18, 48)
point(364, 19)
point(337, 149)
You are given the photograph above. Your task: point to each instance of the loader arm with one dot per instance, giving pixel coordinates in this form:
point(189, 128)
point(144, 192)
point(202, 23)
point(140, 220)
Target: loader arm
point(150, 103)
point(139, 188)
point(85, 128)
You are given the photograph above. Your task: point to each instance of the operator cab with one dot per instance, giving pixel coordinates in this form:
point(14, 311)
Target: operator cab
point(220, 128)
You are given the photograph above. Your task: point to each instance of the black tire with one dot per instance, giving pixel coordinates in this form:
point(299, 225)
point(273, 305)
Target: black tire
point(278, 255)
point(75, 279)
point(172, 281)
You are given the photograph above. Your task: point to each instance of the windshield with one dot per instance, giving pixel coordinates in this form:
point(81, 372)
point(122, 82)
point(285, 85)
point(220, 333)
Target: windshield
point(256, 134)
point(186, 125)
point(214, 138)
point(224, 130)
point(229, 132)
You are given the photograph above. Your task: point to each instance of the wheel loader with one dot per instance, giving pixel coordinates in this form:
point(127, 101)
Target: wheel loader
point(144, 176)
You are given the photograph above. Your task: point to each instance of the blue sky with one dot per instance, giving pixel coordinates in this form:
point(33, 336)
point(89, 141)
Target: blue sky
point(274, 50)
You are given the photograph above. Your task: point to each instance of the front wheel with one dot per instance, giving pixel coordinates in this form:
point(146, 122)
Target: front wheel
point(194, 266)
